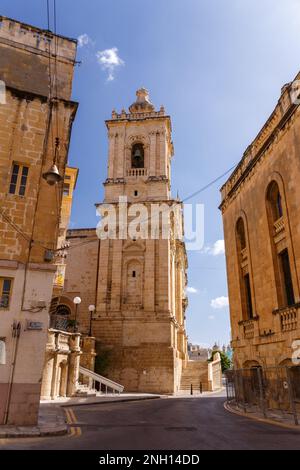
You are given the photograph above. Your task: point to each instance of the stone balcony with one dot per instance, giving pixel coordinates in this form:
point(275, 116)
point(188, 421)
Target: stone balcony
point(288, 318)
point(249, 328)
point(244, 255)
point(62, 342)
point(279, 226)
point(135, 172)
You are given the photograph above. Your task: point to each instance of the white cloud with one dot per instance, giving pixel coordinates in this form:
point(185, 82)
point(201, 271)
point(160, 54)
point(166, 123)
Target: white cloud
point(109, 60)
point(84, 40)
point(191, 290)
point(218, 248)
point(219, 302)
point(211, 317)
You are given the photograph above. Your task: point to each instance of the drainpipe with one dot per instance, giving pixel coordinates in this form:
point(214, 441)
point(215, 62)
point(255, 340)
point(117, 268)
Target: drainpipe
point(16, 329)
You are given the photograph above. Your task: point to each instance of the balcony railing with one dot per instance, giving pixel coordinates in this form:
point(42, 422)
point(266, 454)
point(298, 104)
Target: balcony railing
point(288, 317)
point(244, 254)
point(137, 172)
point(279, 226)
point(62, 323)
point(249, 327)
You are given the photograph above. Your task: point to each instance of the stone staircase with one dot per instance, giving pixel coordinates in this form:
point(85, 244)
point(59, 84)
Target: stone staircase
point(83, 390)
point(195, 373)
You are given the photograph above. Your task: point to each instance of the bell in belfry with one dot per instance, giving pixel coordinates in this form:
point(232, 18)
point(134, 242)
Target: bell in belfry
point(137, 157)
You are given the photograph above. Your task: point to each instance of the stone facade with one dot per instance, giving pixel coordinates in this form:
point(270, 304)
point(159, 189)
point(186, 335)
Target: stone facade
point(30, 208)
point(65, 353)
point(69, 186)
point(61, 369)
point(137, 284)
point(140, 310)
point(81, 275)
point(261, 215)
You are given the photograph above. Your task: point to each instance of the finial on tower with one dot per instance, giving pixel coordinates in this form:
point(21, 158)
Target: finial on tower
point(142, 103)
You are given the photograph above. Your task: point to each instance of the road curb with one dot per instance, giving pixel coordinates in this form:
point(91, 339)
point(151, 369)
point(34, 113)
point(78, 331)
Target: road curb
point(51, 427)
point(123, 400)
point(59, 431)
point(260, 420)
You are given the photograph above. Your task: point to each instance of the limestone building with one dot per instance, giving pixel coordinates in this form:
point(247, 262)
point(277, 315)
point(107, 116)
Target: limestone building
point(261, 215)
point(136, 281)
point(36, 120)
point(137, 284)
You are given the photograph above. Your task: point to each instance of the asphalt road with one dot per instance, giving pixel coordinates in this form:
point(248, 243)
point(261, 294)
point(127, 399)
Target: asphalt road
point(167, 423)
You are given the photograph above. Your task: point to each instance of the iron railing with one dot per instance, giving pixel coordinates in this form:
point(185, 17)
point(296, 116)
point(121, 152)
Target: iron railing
point(62, 323)
point(104, 384)
point(269, 390)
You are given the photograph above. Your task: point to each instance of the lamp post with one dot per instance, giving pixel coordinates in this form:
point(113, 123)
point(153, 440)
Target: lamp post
point(91, 310)
point(76, 301)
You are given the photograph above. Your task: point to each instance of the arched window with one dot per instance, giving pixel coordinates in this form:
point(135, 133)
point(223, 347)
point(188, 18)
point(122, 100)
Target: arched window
point(137, 156)
point(240, 232)
point(275, 201)
point(63, 310)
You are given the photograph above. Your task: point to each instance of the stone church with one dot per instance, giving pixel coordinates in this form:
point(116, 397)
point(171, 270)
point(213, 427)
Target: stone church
point(137, 285)
point(137, 282)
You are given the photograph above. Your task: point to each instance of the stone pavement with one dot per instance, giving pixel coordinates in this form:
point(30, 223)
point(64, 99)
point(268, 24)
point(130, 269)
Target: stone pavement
point(52, 419)
point(51, 423)
point(275, 417)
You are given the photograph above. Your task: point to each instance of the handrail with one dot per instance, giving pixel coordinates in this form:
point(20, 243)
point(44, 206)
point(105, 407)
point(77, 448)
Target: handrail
point(102, 380)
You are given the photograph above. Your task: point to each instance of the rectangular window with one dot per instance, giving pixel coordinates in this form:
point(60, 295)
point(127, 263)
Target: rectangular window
point(66, 190)
point(248, 296)
point(18, 179)
point(5, 292)
point(286, 276)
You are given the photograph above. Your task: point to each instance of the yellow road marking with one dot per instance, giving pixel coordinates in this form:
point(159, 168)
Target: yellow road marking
point(69, 418)
point(75, 431)
point(73, 417)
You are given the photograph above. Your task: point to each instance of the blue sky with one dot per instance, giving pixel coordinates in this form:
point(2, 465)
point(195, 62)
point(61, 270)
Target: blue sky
point(216, 65)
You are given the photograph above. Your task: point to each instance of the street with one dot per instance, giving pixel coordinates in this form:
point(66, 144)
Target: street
point(196, 423)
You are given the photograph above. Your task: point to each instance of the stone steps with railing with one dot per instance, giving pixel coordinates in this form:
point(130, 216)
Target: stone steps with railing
point(103, 382)
point(194, 375)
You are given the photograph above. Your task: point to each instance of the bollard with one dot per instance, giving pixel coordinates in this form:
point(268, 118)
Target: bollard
point(201, 387)
point(191, 389)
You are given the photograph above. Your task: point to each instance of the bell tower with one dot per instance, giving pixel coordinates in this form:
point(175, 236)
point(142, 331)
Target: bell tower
point(141, 302)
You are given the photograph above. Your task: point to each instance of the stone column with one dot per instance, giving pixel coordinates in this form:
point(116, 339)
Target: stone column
point(120, 155)
point(111, 155)
point(47, 375)
point(103, 274)
point(152, 154)
point(74, 361)
point(116, 275)
point(63, 379)
point(163, 154)
point(149, 284)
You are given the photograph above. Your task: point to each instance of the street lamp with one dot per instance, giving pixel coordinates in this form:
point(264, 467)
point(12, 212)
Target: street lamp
point(76, 301)
point(91, 310)
point(52, 176)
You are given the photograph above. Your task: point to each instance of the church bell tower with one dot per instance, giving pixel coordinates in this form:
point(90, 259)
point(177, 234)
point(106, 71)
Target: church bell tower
point(141, 301)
